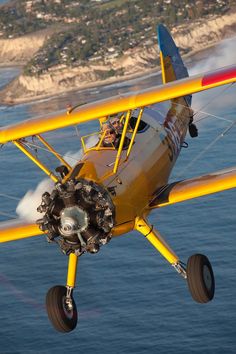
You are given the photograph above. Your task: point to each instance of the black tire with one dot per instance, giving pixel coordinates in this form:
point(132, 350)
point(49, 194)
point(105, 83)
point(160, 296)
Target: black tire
point(200, 278)
point(63, 319)
point(193, 131)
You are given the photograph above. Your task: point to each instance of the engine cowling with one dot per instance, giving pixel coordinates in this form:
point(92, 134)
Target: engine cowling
point(79, 215)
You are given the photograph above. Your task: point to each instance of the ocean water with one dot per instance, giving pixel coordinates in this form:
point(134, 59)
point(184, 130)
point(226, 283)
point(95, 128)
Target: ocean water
point(129, 298)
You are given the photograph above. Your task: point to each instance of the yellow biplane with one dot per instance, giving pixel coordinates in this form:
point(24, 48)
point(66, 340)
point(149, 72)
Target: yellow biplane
point(122, 177)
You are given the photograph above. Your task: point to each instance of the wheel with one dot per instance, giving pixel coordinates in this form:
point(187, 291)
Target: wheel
point(193, 131)
point(200, 278)
point(62, 317)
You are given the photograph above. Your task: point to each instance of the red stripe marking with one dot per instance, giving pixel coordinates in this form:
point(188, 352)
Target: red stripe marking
point(218, 76)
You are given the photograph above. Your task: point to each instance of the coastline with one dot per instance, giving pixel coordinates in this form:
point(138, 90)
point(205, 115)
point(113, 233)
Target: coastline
point(198, 39)
point(83, 87)
point(189, 59)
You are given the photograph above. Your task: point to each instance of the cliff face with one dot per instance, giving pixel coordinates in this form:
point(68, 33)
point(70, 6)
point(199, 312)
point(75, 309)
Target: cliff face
point(18, 51)
point(196, 36)
point(200, 34)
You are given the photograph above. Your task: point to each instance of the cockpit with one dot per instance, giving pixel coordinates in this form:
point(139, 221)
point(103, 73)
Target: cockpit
point(136, 122)
point(113, 130)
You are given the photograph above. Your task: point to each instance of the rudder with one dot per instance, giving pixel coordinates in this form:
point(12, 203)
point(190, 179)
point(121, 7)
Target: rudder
point(172, 64)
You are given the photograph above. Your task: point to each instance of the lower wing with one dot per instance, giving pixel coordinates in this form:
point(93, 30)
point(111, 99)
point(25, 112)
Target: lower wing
point(170, 194)
point(17, 229)
point(194, 187)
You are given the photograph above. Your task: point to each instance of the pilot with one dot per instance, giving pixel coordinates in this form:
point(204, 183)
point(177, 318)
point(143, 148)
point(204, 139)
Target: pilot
point(118, 126)
point(110, 137)
point(113, 131)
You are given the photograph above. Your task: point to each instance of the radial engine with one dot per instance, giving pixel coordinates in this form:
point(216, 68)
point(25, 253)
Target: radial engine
point(79, 215)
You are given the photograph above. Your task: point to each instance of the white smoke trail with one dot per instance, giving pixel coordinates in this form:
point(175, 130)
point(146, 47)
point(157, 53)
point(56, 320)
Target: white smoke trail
point(73, 158)
point(223, 54)
point(27, 206)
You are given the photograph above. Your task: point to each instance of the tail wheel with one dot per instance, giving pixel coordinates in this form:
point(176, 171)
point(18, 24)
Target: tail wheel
point(200, 278)
point(193, 131)
point(62, 315)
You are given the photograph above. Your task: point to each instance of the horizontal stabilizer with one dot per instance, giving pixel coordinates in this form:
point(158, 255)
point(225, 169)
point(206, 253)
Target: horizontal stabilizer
point(121, 103)
point(17, 229)
point(195, 187)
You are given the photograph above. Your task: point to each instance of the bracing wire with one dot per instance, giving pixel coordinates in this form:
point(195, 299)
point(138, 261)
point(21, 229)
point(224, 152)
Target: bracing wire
point(36, 146)
point(193, 161)
point(206, 114)
point(9, 196)
point(2, 213)
point(220, 136)
point(227, 87)
point(210, 115)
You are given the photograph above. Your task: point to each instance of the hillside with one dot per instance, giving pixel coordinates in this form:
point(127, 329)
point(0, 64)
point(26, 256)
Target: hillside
point(18, 51)
point(47, 73)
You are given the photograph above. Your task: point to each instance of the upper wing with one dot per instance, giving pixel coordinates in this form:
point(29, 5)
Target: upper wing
point(194, 188)
point(120, 103)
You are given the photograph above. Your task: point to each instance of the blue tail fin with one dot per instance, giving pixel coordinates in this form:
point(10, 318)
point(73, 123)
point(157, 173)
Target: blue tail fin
point(171, 62)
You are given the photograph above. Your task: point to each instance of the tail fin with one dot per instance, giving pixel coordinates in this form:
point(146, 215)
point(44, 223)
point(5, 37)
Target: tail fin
point(171, 62)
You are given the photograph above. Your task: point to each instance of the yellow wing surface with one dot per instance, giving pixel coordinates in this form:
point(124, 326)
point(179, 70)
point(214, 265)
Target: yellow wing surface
point(17, 229)
point(120, 103)
point(195, 187)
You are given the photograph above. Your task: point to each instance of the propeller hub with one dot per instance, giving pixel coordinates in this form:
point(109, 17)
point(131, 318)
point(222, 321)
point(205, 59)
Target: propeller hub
point(73, 219)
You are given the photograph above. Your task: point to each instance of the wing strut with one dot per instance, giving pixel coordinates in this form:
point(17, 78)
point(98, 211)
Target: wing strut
point(35, 160)
point(50, 148)
point(134, 133)
point(118, 156)
point(20, 144)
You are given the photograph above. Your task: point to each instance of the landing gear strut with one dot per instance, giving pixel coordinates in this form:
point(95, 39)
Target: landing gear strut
point(60, 304)
point(199, 273)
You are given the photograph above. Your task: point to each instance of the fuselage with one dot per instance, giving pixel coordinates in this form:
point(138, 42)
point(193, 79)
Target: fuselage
point(153, 155)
